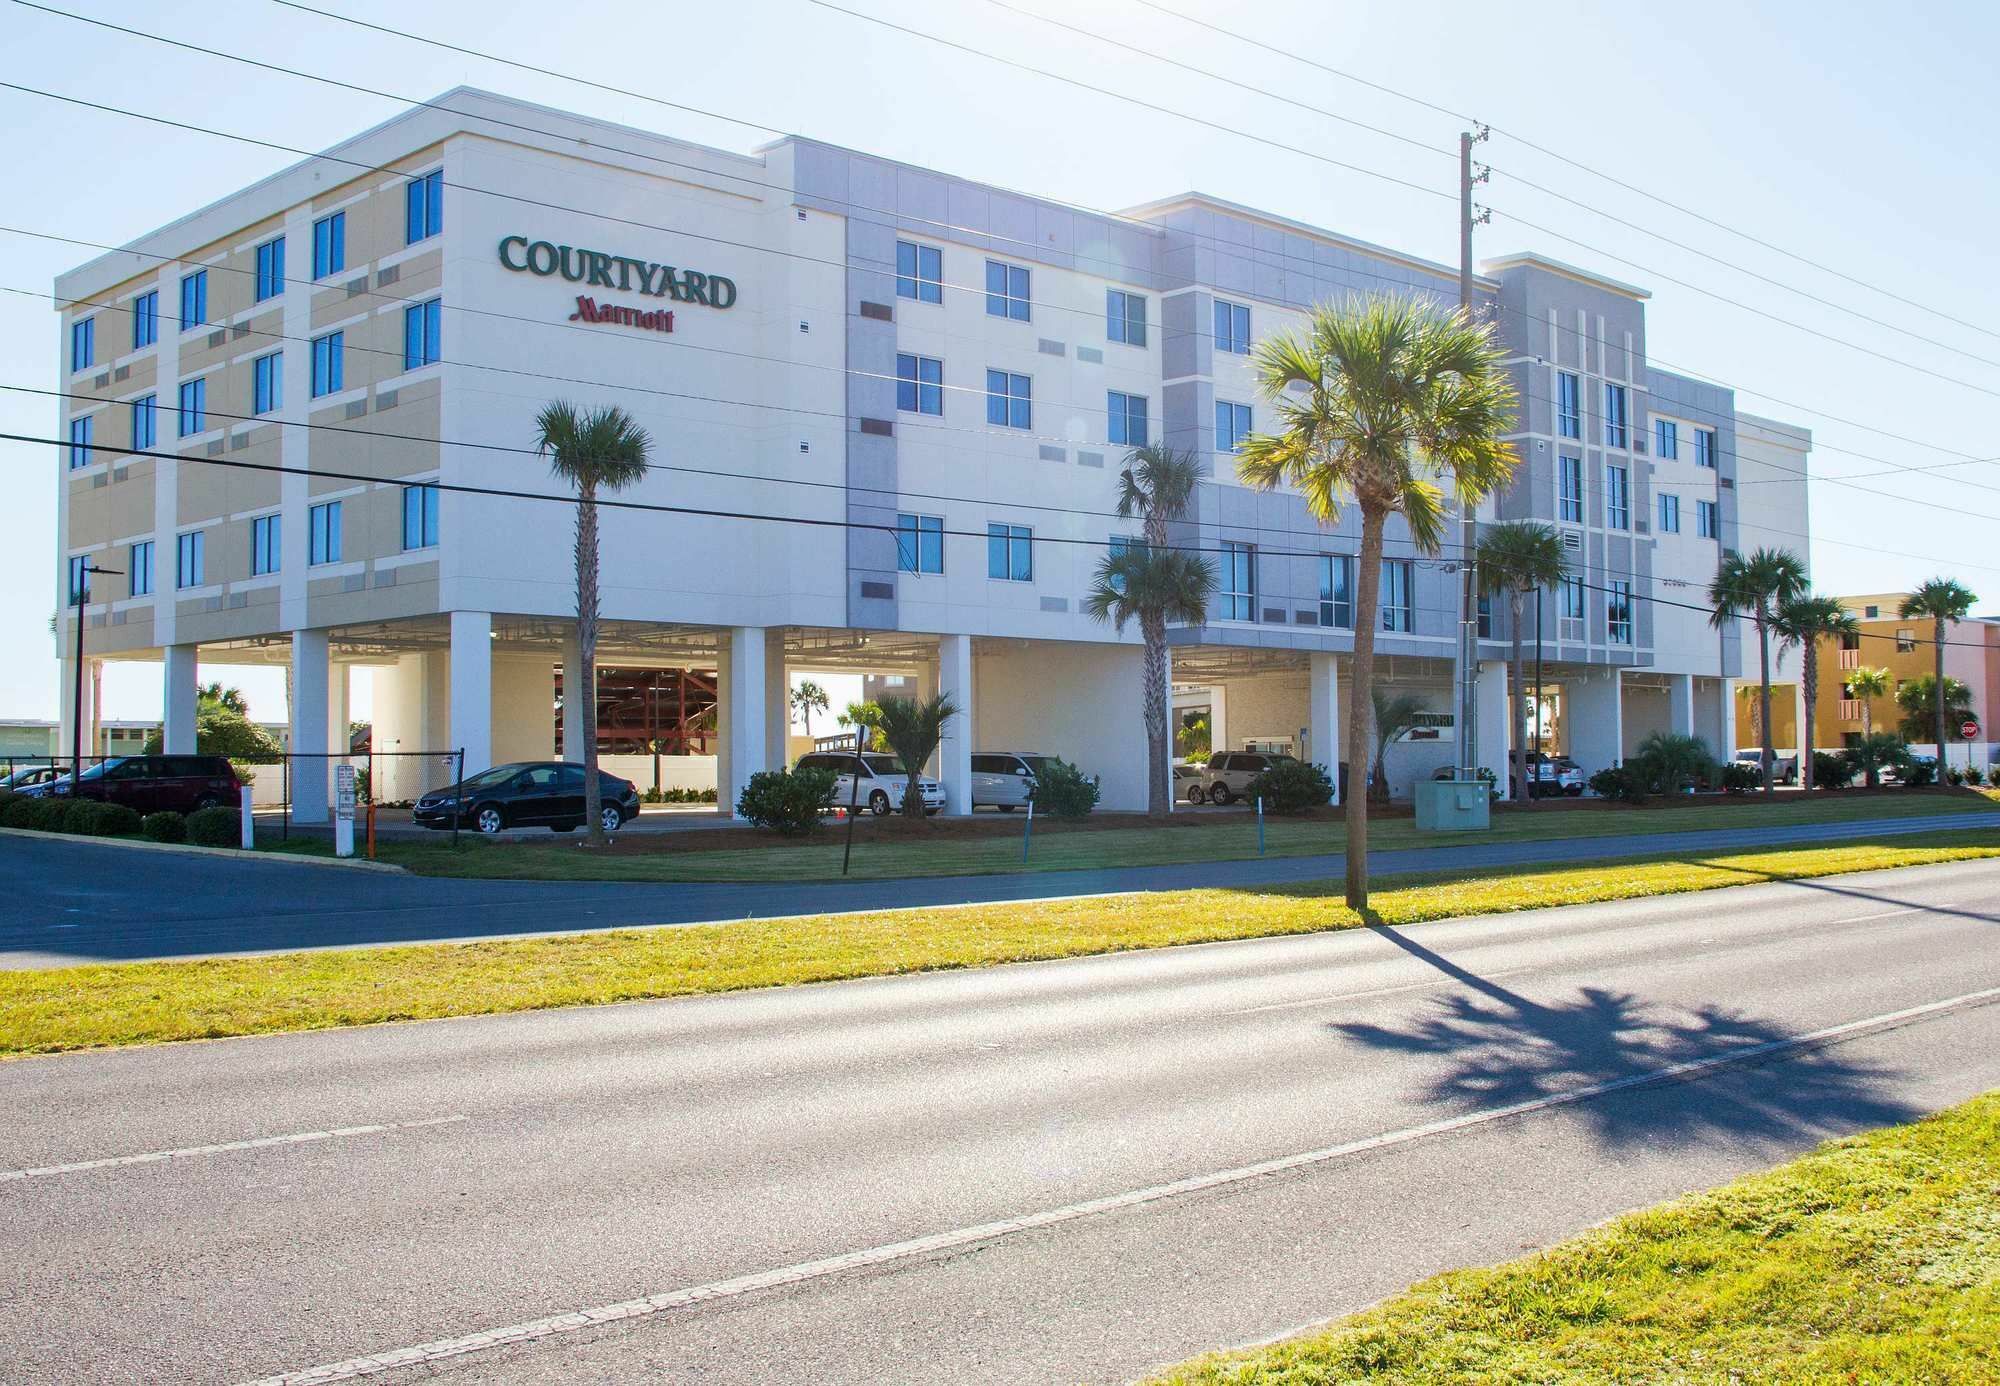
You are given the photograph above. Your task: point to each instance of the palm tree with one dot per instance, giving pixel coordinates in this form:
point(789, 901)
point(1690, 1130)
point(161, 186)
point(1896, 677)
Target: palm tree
point(1518, 557)
point(231, 698)
point(1382, 401)
point(1804, 621)
point(1755, 586)
point(1866, 685)
point(1395, 713)
point(595, 449)
point(913, 730)
point(1943, 601)
point(807, 699)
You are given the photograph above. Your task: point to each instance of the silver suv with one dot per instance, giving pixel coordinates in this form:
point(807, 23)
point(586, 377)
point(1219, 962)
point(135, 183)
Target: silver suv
point(1229, 774)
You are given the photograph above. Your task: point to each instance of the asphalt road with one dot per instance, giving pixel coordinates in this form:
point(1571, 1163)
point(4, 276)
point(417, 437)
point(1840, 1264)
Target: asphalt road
point(1460, 1091)
point(71, 901)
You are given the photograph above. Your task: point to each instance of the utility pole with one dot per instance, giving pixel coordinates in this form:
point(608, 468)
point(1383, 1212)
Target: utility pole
point(1468, 623)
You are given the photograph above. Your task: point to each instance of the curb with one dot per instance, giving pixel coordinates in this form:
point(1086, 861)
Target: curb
point(189, 849)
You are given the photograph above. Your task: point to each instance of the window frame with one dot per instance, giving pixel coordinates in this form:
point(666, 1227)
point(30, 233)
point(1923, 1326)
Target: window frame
point(190, 559)
point(139, 567)
point(1670, 513)
point(1569, 405)
point(920, 386)
point(1235, 435)
point(1125, 317)
point(1707, 520)
point(1704, 448)
point(83, 344)
point(82, 433)
point(425, 496)
point(423, 207)
point(146, 319)
point(1008, 535)
point(1617, 416)
point(1570, 590)
point(1226, 316)
point(323, 534)
point(423, 334)
point(194, 300)
point(267, 544)
point(1617, 596)
point(270, 278)
point(921, 287)
point(1336, 577)
point(1666, 440)
point(1398, 617)
point(77, 583)
point(1569, 501)
point(1237, 584)
point(1121, 412)
point(145, 422)
point(1016, 409)
point(1617, 496)
point(329, 367)
point(267, 383)
point(920, 544)
point(330, 245)
point(1004, 302)
point(191, 422)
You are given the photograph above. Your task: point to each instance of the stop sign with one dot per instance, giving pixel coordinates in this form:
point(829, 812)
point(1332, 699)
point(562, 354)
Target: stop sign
point(1968, 729)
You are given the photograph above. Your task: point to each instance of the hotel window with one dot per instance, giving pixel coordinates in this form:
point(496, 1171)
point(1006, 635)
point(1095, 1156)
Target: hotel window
point(267, 383)
point(919, 384)
point(328, 369)
point(1617, 498)
point(1336, 590)
point(423, 334)
point(1485, 617)
point(1618, 612)
point(145, 422)
point(79, 580)
point(1906, 641)
point(1670, 513)
point(323, 534)
point(919, 272)
point(1704, 447)
point(1569, 489)
point(420, 517)
point(1569, 598)
point(1871, 611)
point(423, 207)
point(265, 539)
point(139, 564)
point(919, 544)
point(190, 559)
point(194, 300)
point(330, 245)
point(146, 319)
point(1239, 581)
point(1125, 317)
point(1232, 424)
point(1126, 418)
point(1232, 327)
point(1614, 416)
point(270, 269)
point(1009, 403)
point(1704, 519)
point(79, 442)
point(1006, 291)
point(83, 344)
point(1123, 544)
point(1398, 610)
point(1010, 553)
point(193, 407)
point(1569, 404)
point(1666, 440)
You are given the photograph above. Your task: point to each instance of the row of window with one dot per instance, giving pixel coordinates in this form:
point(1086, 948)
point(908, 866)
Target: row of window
point(1618, 500)
point(422, 345)
point(423, 218)
point(1010, 403)
point(323, 544)
point(1667, 434)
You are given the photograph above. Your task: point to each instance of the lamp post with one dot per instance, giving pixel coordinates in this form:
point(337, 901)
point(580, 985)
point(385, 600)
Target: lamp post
point(82, 601)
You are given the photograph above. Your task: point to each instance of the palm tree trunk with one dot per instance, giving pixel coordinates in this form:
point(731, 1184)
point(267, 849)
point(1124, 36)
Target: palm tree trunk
point(1937, 690)
point(586, 641)
point(1764, 704)
point(1158, 799)
point(1362, 714)
point(1867, 733)
point(1517, 709)
point(1809, 670)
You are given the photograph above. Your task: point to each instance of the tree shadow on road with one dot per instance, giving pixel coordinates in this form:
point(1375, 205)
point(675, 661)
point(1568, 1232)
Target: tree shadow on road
point(1503, 1048)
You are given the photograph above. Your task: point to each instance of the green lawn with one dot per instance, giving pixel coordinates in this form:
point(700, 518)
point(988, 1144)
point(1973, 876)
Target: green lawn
point(1220, 838)
point(140, 1003)
point(1875, 1259)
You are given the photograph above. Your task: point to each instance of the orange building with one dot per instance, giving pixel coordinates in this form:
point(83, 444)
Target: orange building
point(1902, 645)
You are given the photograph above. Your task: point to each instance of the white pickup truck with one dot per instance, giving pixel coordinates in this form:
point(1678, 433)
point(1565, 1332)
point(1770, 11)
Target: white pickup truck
point(1784, 767)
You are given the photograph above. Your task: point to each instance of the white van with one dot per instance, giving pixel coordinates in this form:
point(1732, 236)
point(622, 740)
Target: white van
point(883, 781)
point(1005, 779)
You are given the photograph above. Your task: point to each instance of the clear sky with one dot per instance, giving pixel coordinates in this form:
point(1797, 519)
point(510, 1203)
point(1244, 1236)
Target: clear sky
point(1847, 133)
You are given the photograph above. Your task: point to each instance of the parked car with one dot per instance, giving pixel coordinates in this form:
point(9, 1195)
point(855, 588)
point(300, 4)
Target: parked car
point(1784, 768)
point(29, 776)
point(1551, 775)
point(1229, 773)
point(152, 784)
point(882, 781)
point(523, 794)
point(1188, 779)
point(1005, 779)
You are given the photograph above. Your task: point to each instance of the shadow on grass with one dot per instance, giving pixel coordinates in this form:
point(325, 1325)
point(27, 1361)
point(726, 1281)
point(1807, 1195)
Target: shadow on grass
point(1502, 1048)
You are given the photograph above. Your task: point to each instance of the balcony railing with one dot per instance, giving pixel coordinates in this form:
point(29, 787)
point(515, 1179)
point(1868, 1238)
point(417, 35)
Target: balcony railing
point(1850, 709)
point(1850, 659)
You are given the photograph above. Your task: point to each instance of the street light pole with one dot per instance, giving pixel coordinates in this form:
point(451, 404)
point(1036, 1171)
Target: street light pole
point(82, 602)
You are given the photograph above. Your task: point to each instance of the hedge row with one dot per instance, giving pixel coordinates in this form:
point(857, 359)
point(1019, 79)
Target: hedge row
point(213, 827)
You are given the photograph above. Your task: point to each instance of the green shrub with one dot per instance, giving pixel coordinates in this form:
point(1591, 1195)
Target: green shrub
point(787, 801)
point(1063, 790)
point(117, 820)
point(18, 812)
point(1290, 786)
point(165, 827)
point(48, 815)
point(1873, 754)
point(1831, 771)
point(1953, 776)
point(215, 827)
point(1669, 762)
point(1740, 776)
point(82, 816)
point(1619, 782)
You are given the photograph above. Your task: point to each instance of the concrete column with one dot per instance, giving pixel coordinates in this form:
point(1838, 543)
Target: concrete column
point(955, 748)
point(1725, 692)
point(1680, 705)
point(743, 695)
point(573, 697)
point(471, 697)
point(1324, 746)
point(1593, 709)
point(777, 702)
point(337, 708)
point(179, 673)
point(72, 712)
point(1496, 727)
point(310, 716)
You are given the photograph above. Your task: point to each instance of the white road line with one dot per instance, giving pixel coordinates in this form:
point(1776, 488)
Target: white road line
point(153, 1157)
point(1434, 984)
point(446, 1348)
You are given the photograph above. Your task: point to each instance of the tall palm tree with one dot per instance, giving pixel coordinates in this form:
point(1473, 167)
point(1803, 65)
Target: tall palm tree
point(1154, 585)
point(1943, 601)
point(807, 699)
point(1866, 685)
point(1382, 401)
point(1518, 557)
point(600, 449)
point(1804, 621)
point(913, 730)
point(1755, 586)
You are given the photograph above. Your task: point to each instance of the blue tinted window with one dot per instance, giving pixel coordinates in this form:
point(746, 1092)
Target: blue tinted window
point(920, 543)
point(1006, 291)
point(270, 269)
point(83, 344)
point(145, 422)
point(330, 245)
point(1232, 425)
point(328, 368)
point(146, 319)
point(1126, 418)
point(267, 383)
point(420, 517)
point(1232, 327)
point(919, 272)
point(1010, 555)
point(265, 540)
point(1009, 400)
point(139, 564)
point(194, 300)
point(193, 407)
point(323, 533)
point(423, 330)
point(423, 207)
point(919, 384)
point(79, 442)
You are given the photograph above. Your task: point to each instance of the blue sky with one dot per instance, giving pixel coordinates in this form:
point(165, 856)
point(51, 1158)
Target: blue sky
point(1850, 134)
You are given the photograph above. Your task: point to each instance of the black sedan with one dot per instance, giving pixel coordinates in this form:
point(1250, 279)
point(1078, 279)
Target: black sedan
point(526, 794)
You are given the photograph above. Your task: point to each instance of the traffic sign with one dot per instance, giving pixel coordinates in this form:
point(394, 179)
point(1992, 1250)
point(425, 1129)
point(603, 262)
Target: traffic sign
point(1969, 728)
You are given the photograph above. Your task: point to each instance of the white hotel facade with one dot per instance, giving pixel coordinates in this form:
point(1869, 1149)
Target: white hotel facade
point(930, 383)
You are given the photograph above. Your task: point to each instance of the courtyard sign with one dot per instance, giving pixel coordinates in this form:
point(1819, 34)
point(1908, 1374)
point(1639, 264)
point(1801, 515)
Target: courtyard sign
point(595, 268)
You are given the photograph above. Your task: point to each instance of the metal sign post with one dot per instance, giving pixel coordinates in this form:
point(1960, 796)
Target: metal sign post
point(343, 810)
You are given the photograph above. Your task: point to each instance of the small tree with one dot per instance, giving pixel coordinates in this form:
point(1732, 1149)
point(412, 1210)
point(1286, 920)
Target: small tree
point(1669, 762)
point(1395, 713)
point(1866, 685)
point(1944, 601)
point(808, 698)
point(1804, 621)
point(913, 730)
point(1518, 557)
point(1755, 585)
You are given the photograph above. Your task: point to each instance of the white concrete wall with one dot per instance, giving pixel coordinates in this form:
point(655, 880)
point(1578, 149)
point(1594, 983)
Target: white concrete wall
point(524, 697)
point(1267, 707)
point(676, 772)
point(1084, 703)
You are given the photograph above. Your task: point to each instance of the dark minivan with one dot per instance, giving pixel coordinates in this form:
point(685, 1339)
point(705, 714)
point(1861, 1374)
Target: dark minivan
point(526, 794)
point(155, 784)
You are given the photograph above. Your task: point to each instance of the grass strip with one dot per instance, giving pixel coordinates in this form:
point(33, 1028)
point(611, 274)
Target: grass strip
point(142, 1003)
point(1876, 1258)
